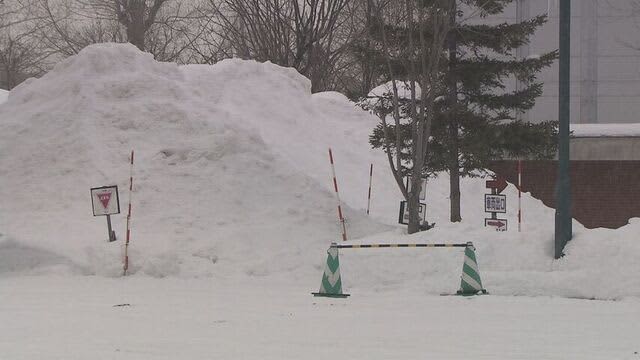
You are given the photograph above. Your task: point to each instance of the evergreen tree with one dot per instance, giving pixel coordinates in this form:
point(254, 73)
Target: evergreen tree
point(479, 123)
point(475, 121)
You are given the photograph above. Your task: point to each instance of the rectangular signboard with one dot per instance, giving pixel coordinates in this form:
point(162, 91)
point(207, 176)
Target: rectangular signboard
point(499, 224)
point(403, 218)
point(495, 203)
point(105, 200)
point(423, 187)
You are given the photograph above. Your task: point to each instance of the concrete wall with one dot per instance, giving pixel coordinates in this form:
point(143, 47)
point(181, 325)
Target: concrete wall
point(602, 62)
point(605, 148)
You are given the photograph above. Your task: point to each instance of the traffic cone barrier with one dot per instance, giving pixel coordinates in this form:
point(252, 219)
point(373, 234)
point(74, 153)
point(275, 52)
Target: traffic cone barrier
point(331, 285)
point(471, 283)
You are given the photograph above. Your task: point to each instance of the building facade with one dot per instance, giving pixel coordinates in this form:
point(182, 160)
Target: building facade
point(605, 59)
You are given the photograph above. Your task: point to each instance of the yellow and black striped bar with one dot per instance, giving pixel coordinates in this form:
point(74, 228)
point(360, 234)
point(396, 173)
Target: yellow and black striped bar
point(369, 246)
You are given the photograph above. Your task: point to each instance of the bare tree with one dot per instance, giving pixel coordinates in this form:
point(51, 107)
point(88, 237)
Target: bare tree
point(67, 28)
point(304, 34)
point(21, 57)
point(411, 51)
point(21, 53)
point(163, 27)
point(136, 16)
point(15, 12)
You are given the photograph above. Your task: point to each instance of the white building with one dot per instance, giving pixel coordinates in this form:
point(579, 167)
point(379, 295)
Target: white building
point(605, 68)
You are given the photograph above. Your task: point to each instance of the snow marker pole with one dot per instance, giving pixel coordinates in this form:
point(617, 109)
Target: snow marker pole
point(519, 195)
point(369, 196)
point(126, 244)
point(335, 186)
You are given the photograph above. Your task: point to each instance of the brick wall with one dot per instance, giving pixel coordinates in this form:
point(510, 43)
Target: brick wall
point(604, 193)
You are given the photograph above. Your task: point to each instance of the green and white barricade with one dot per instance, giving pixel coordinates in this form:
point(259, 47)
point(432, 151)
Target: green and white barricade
point(331, 285)
point(470, 284)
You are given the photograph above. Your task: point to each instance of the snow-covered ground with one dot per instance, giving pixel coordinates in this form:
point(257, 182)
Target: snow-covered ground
point(77, 318)
point(233, 210)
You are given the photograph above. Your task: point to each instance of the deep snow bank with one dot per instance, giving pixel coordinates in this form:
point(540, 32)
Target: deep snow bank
point(218, 175)
point(232, 179)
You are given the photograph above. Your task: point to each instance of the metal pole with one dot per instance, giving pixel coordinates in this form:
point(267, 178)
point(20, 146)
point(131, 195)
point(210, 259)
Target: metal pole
point(563, 186)
point(112, 235)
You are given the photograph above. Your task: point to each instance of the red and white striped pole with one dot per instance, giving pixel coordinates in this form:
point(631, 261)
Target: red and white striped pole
point(519, 195)
point(369, 196)
point(126, 244)
point(335, 186)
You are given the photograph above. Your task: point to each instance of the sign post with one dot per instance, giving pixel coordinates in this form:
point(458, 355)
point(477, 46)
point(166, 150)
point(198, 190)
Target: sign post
point(403, 216)
point(105, 201)
point(112, 234)
point(495, 203)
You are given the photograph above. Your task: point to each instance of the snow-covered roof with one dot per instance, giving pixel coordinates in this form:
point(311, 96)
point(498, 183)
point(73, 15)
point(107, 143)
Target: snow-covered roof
point(605, 130)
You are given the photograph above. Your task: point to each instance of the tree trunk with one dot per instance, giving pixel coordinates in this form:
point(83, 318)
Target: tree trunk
point(454, 192)
point(414, 205)
point(136, 26)
point(430, 50)
point(367, 73)
point(417, 125)
point(454, 152)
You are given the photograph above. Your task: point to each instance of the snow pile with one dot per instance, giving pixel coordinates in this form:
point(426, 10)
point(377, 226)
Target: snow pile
point(232, 181)
point(221, 168)
point(4, 94)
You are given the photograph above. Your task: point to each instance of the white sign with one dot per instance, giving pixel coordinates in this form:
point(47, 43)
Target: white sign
point(105, 200)
point(423, 188)
point(499, 224)
point(495, 203)
point(404, 212)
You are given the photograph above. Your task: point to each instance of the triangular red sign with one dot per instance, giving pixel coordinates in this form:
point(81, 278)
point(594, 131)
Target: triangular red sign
point(104, 199)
